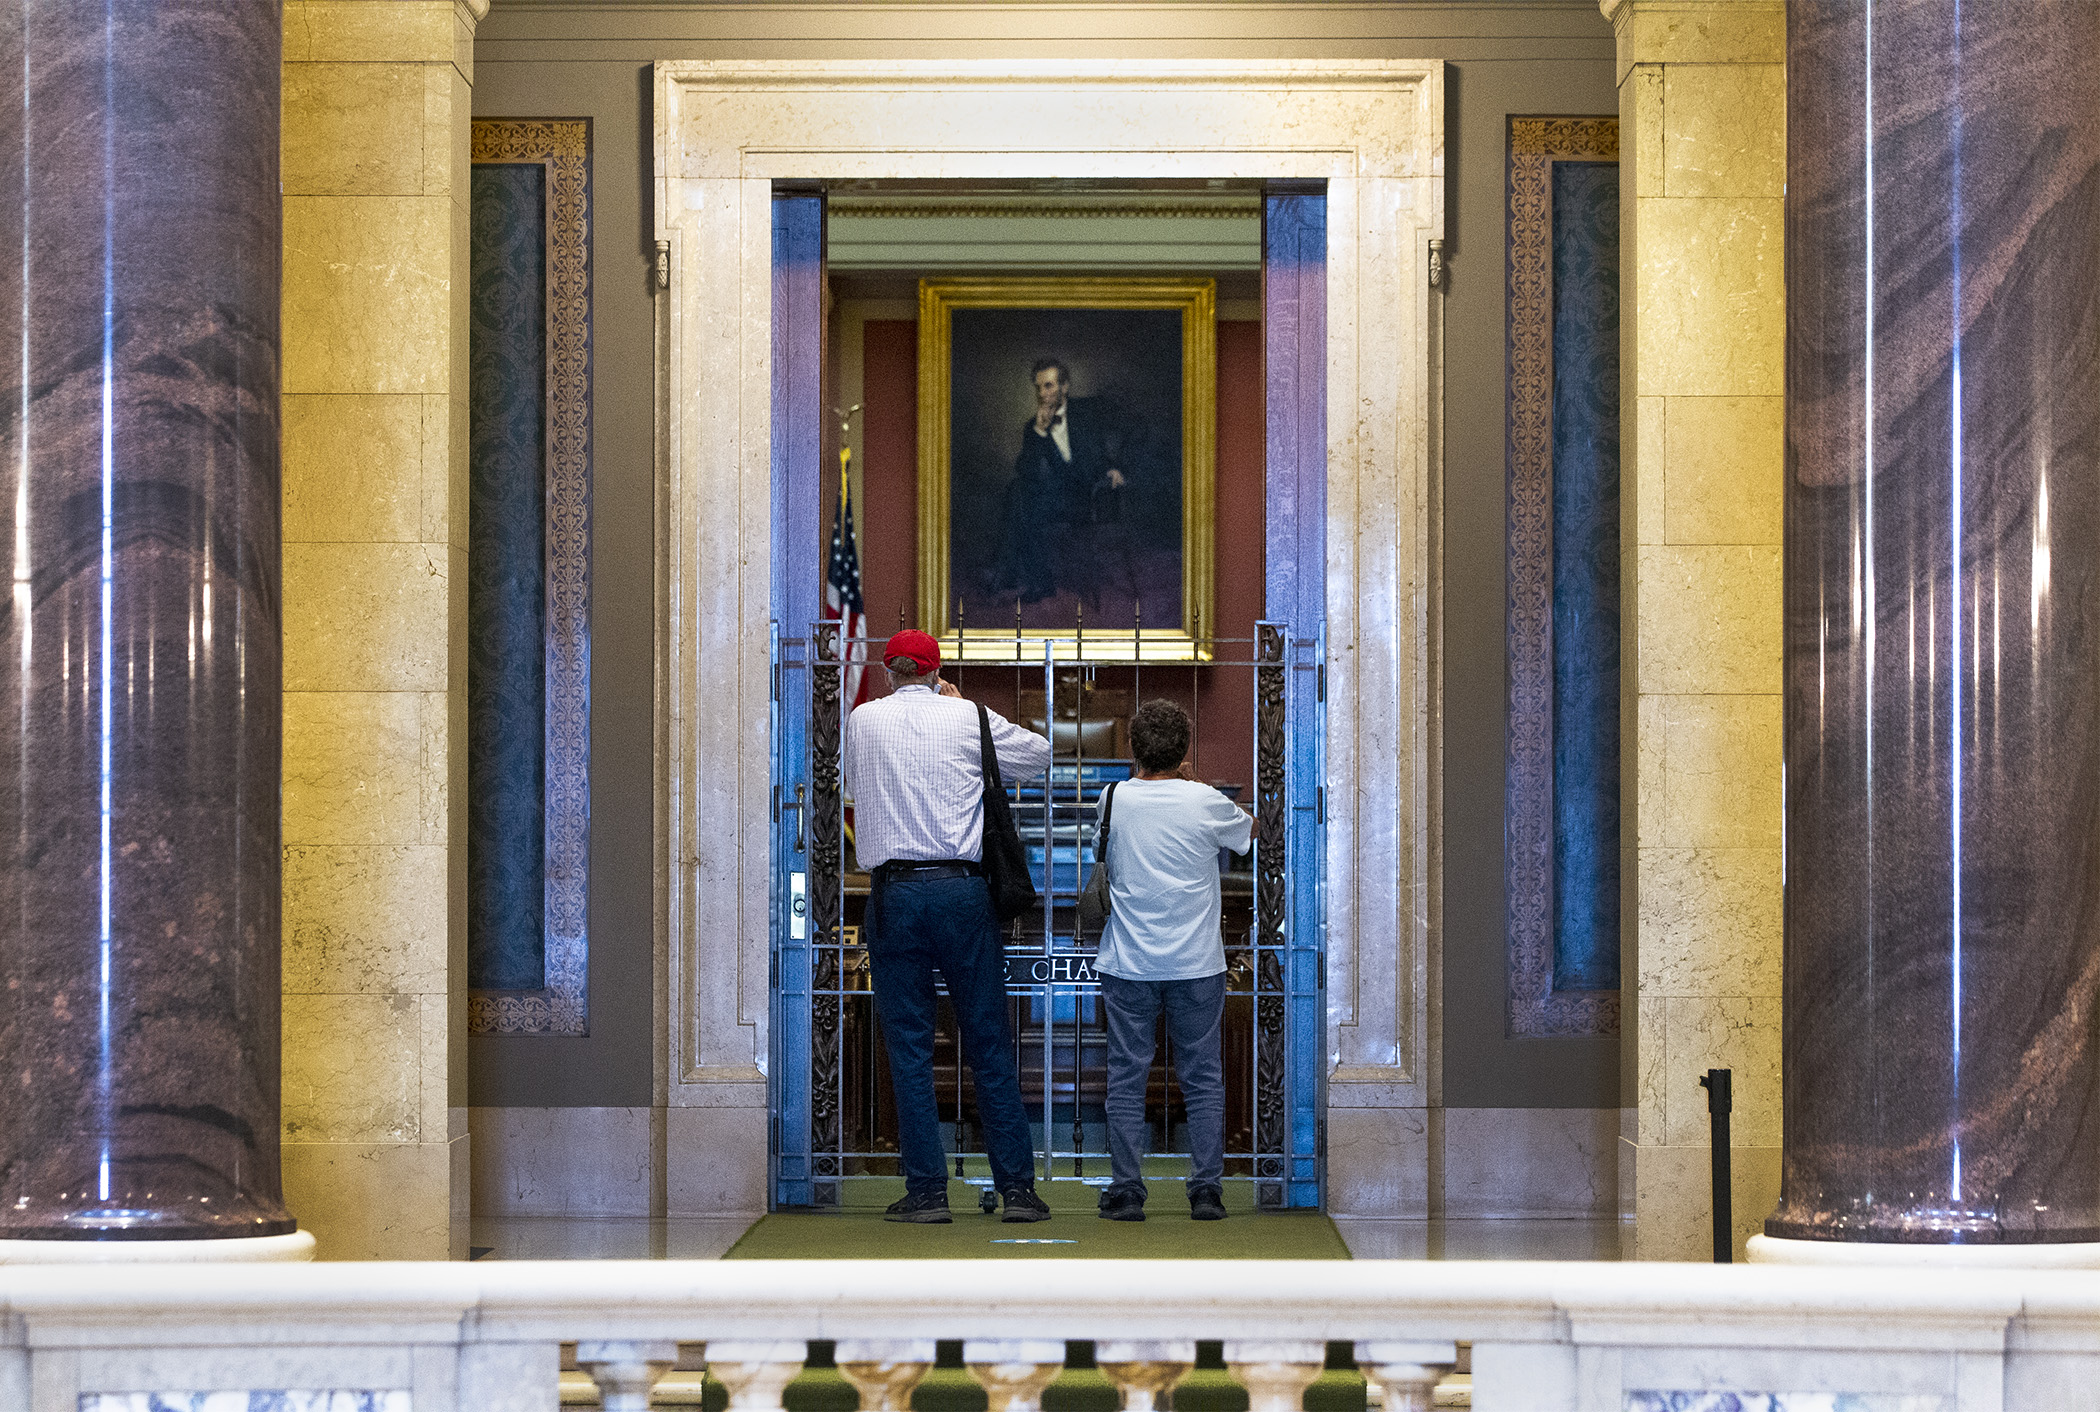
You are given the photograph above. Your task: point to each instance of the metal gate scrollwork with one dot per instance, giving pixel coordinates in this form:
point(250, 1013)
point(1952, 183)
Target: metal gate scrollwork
point(836, 1121)
point(1271, 910)
point(826, 911)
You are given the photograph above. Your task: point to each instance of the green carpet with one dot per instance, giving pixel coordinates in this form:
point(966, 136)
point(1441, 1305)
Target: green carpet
point(856, 1231)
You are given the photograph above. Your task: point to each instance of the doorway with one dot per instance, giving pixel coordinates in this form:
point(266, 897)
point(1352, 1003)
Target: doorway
point(1251, 684)
point(1348, 345)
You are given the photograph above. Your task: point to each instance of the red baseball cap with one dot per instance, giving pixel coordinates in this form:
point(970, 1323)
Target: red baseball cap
point(923, 650)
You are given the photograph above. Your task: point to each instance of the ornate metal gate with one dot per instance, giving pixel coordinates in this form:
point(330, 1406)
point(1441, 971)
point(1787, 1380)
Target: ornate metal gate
point(833, 1124)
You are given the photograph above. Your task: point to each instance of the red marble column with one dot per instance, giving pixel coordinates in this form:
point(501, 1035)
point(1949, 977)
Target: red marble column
point(140, 234)
point(1942, 1082)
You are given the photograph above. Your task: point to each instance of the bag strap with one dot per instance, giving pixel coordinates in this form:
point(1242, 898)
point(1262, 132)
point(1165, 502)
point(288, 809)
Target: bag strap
point(1108, 811)
point(988, 760)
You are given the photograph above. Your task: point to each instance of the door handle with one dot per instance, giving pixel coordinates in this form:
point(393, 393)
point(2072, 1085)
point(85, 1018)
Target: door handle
point(799, 806)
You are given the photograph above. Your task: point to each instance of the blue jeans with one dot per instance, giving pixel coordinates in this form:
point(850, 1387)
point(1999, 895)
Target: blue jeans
point(1194, 1010)
point(946, 925)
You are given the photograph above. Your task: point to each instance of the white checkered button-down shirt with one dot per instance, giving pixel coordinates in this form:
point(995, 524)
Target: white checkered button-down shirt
point(914, 774)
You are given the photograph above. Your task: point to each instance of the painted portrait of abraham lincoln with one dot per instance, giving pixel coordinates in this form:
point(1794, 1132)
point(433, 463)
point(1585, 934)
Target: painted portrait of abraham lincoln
point(1066, 468)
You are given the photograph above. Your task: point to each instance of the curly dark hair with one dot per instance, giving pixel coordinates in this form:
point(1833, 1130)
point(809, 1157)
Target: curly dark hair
point(1159, 736)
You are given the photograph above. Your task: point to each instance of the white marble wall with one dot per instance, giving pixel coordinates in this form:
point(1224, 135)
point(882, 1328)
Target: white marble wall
point(1373, 130)
point(567, 1161)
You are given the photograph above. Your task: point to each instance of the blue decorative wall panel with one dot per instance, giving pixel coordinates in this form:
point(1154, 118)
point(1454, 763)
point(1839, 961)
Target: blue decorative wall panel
point(1561, 860)
point(506, 578)
point(528, 579)
point(1585, 575)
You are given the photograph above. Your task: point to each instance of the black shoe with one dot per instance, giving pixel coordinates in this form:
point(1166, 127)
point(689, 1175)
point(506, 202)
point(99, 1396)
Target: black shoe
point(1122, 1205)
point(1022, 1204)
point(1206, 1203)
point(928, 1210)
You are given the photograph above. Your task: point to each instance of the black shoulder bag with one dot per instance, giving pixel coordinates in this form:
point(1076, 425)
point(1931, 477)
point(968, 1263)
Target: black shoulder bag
point(1005, 861)
point(1094, 902)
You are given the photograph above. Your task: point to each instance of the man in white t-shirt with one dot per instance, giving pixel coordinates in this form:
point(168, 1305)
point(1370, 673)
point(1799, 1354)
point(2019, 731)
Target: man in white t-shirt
point(1161, 951)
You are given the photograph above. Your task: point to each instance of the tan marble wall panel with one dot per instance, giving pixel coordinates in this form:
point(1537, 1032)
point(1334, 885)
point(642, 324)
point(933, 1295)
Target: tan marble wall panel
point(1738, 1033)
point(1647, 472)
point(366, 617)
point(342, 468)
point(1674, 1198)
point(1709, 776)
point(365, 768)
point(355, 130)
point(1721, 460)
point(1711, 311)
point(1702, 93)
point(372, 31)
point(376, 1201)
point(372, 277)
point(377, 102)
point(1697, 31)
point(365, 920)
point(1709, 920)
point(715, 1158)
point(1706, 619)
point(1720, 141)
point(354, 1076)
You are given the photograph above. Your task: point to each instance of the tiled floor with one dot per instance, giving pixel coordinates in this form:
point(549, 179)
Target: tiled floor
point(1482, 1239)
point(606, 1237)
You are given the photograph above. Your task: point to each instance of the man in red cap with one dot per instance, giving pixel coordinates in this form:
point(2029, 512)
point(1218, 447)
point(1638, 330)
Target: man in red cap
point(913, 763)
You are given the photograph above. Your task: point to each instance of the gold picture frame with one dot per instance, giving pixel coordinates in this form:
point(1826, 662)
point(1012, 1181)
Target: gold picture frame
point(1185, 640)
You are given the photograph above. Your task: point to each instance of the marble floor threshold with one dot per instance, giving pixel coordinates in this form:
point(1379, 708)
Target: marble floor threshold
point(709, 1238)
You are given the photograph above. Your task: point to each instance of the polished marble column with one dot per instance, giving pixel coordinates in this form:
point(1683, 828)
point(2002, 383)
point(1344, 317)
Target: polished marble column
point(1942, 1083)
point(139, 645)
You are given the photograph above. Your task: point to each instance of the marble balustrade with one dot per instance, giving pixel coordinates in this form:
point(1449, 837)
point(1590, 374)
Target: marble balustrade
point(411, 1337)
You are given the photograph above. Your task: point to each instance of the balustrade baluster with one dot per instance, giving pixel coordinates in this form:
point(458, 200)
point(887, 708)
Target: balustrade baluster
point(756, 1372)
point(1276, 1374)
point(884, 1371)
point(1014, 1372)
point(1407, 1372)
point(626, 1371)
point(1145, 1371)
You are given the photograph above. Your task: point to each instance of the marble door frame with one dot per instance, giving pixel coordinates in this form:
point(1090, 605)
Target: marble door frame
point(725, 133)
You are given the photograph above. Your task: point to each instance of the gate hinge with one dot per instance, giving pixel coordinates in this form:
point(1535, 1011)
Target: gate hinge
point(1320, 795)
point(1323, 682)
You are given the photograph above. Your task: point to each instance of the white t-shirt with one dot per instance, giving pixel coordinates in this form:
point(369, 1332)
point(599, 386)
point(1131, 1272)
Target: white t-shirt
point(1163, 842)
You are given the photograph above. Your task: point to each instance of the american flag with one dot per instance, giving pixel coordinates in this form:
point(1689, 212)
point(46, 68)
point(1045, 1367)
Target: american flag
point(842, 601)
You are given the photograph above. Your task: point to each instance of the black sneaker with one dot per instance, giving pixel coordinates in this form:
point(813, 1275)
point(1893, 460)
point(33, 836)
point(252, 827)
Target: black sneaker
point(1122, 1205)
point(930, 1209)
point(1022, 1204)
point(1206, 1203)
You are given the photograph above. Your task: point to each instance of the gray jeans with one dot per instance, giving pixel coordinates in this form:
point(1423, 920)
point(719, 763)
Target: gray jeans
point(1193, 1009)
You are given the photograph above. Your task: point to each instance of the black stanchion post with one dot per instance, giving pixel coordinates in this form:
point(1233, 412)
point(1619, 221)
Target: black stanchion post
point(1720, 1098)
